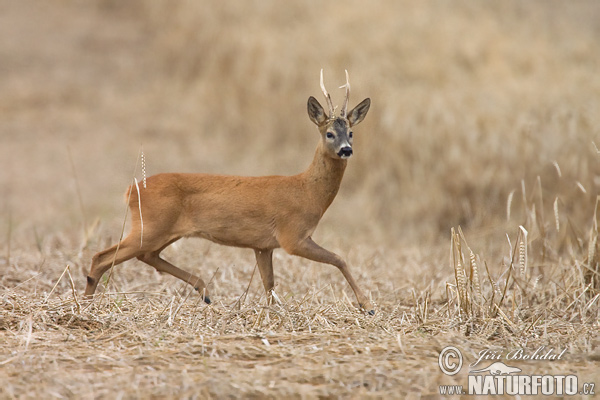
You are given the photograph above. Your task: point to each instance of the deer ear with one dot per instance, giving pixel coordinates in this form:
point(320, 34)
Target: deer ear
point(316, 112)
point(359, 112)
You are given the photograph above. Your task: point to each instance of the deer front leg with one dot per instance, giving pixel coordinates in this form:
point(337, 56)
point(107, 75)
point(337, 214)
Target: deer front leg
point(264, 259)
point(307, 248)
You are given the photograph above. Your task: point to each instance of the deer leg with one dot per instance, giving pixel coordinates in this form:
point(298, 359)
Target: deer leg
point(153, 259)
point(264, 259)
point(102, 261)
point(307, 248)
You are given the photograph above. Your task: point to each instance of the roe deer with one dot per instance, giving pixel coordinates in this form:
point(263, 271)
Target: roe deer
point(261, 213)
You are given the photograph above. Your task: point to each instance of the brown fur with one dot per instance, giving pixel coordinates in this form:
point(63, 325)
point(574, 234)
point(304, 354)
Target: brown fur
point(262, 213)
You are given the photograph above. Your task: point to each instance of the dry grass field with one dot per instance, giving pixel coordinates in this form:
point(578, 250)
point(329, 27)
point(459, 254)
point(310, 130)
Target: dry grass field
point(468, 213)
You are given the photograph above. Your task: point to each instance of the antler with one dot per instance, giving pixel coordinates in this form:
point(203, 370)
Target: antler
point(347, 86)
point(327, 97)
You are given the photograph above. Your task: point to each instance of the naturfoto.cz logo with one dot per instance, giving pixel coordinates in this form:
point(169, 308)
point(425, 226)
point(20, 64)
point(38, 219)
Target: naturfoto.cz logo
point(500, 378)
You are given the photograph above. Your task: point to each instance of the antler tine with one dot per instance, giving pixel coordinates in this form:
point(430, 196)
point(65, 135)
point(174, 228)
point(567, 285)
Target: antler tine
point(347, 86)
point(327, 97)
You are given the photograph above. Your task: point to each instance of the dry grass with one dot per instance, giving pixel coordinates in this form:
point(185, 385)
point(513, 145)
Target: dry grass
point(483, 128)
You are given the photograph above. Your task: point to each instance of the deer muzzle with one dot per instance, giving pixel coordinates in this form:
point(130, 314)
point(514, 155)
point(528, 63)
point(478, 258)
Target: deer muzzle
point(345, 152)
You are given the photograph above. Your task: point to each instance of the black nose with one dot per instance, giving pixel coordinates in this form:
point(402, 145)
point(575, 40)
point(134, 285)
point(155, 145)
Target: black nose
point(345, 151)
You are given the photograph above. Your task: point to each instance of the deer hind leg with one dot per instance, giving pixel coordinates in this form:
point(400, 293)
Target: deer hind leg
point(153, 259)
point(102, 261)
point(307, 248)
point(264, 259)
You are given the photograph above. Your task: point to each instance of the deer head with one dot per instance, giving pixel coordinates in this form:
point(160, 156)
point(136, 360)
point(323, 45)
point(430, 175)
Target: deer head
point(336, 132)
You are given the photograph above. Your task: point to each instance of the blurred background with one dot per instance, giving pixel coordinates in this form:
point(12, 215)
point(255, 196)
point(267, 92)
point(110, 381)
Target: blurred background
point(477, 108)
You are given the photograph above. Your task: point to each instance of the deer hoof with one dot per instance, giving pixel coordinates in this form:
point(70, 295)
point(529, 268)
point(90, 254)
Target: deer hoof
point(202, 292)
point(365, 309)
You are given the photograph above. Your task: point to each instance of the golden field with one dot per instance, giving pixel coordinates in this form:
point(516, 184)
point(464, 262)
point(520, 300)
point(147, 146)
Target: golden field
point(484, 116)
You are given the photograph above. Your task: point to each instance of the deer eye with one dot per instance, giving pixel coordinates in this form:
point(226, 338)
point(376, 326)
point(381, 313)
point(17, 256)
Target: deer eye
point(330, 135)
point(350, 135)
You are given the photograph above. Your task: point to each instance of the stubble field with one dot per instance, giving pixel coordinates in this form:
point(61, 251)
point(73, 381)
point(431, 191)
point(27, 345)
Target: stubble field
point(468, 213)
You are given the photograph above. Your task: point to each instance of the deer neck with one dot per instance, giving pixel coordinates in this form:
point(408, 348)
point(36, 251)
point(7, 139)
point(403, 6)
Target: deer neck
point(323, 177)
